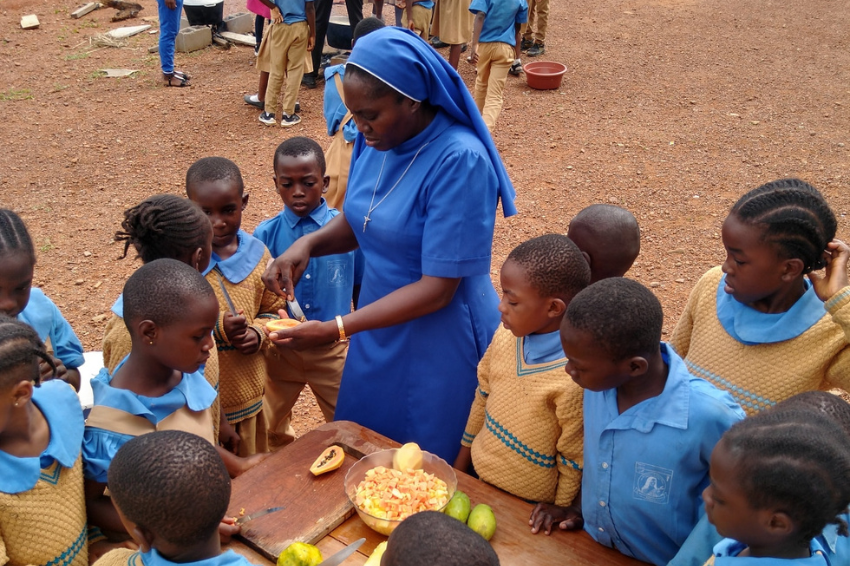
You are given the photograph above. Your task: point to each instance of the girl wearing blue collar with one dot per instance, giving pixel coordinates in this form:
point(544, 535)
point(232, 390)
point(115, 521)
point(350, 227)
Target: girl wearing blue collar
point(421, 202)
point(765, 325)
point(41, 472)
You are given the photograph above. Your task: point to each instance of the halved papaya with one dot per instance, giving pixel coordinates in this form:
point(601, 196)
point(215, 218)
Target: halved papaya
point(330, 460)
point(281, 324)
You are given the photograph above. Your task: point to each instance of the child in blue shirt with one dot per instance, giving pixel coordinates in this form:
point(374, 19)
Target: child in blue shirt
point(170, 311)
point(495, 47)
point(19, 300)
point(172, 491)
point(649, 425)
point(417, 17)
point(325, 291)
point(291, 35)
point(777, 479)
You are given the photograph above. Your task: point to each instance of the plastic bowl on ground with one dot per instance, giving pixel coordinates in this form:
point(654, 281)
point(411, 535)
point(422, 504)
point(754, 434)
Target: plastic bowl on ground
point(431, 463)
point(544, 75)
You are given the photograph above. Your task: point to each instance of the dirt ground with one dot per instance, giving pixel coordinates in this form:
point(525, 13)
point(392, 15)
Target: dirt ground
point(671, 108)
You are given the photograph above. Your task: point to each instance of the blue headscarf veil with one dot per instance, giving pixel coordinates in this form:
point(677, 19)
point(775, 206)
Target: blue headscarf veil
point(405, 62)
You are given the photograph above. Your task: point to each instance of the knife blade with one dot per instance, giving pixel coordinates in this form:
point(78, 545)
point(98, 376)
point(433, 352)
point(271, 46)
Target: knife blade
point(297, 313)
point(227, 298)
point(252, 516)
point(338, 557)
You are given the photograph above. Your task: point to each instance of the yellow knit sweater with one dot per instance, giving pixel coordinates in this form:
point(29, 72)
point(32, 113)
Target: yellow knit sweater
point(525, 426)
point(761, 375)
point(120, 557)
point(56, 500)
point(117, 345)
point(243, 377)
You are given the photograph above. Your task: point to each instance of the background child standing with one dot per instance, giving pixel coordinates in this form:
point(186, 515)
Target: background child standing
point(523, 392)
point(238, 260)
point(19, 299)
point(291, 35)
point(417, 17)
point(609, 239)
point(495, 46)
point(325, 291)
point(42, 507)
point(534, 32)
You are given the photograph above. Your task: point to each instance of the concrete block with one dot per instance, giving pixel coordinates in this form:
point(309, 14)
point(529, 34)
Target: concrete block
point(243, 22)
point(184, 23)
point(127, 31)
point(193, 38)
point(85, 9)
point(240, 38)
point(29, 22)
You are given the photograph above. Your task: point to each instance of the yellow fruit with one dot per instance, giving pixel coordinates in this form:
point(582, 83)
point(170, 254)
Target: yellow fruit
point(482, 521)
point(329, 460)
point(281, 324)
point(300, 554)
point(375, 558)
point(408, 457)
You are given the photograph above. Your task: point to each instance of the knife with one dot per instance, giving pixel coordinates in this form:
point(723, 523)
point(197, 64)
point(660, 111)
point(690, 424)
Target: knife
point(227, 298)
point(337, 558)
point(297, 313)
point(252, 516)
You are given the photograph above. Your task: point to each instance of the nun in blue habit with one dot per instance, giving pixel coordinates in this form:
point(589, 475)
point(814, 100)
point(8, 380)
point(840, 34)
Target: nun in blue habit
point(422, 197)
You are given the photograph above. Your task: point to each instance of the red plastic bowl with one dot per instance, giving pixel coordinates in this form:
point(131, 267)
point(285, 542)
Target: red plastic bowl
point(544, 75)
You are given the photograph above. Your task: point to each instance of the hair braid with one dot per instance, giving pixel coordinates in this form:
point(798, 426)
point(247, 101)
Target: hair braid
point(13, 235)
point(19, 345)
point(164, 226)
point(796, 217)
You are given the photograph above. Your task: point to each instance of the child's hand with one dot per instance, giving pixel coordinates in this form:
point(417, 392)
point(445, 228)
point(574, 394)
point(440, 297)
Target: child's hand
point(464, 459)
point(47, 372)
point(227, 528)
point(227, 436)
point(837, 255)
point(249, 343)
point(235, 327)
point(249, 462)
point(546, 515)
point(473, 57)
point(277, 17)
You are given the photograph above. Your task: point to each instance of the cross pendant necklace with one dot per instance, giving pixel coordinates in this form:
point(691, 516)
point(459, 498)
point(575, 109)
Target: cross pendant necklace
point(372, 206)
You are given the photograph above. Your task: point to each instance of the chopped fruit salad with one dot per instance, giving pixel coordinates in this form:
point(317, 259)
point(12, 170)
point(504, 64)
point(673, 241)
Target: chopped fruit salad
point(396, 495)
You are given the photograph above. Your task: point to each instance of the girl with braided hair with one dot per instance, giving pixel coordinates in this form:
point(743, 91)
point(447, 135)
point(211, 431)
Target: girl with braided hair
point(18, 299)
point(41, 470)
point(764, 326)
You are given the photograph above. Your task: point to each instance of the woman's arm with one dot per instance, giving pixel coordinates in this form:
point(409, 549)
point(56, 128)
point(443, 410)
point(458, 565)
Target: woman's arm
point(284, 272)
point(414, 300)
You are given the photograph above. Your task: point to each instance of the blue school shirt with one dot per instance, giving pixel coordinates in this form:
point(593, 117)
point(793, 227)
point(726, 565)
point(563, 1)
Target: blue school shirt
point(542, 348)
point(293, 11)
point(154, 558)
point(726, 554)
point(427, 4)
point(48, 322)
point(326, 286)
point(237, 268)
point(333, 107)
point(100, 446)
point(61, 408)
point(501, 19)
point(645, 469)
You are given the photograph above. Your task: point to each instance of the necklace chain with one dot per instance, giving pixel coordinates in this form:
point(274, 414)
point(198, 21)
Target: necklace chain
point(372, 205)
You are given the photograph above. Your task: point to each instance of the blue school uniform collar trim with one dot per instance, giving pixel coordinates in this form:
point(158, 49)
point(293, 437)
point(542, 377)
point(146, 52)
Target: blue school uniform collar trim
point(239, 266)
point(118, 306)
point(670, 408)
point(749, 326)
point(317, 215)
point(730, 548)
point(228, 558)
point(59, 405)
point(196, 392)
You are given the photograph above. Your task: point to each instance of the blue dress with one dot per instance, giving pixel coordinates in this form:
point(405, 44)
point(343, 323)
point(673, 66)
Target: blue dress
point(416, 381)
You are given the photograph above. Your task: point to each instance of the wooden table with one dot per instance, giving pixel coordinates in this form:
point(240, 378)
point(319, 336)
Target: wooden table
point(318, 511)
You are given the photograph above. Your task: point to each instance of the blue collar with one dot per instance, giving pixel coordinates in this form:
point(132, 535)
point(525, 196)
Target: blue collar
point(239, 266)
point(542, 348)
point(228, 558)
point(196, 393)
point(118, 306)
point(830, 534)
point(317, 214)
point(61, 408)
point(749, 326)
point(732, 548)
point(670, 408)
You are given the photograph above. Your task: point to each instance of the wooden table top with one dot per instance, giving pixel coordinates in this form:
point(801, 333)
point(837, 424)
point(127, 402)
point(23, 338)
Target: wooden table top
point(318, 511)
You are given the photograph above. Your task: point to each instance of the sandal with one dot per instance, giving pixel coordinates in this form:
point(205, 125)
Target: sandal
point(169, 78)
point(182, 74)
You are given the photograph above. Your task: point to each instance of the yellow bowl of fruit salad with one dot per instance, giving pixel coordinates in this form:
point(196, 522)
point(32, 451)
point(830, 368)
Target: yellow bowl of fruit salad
point(384, 497)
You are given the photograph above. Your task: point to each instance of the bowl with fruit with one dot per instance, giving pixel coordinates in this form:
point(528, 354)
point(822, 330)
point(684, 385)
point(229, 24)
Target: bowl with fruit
point(387, 487)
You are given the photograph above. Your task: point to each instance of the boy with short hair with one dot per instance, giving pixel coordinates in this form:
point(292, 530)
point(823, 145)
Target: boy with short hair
point(172, 491)
point(649, 425)
point(238, 261)
point(432, 538)
point(608, 237)
point(290, 36)
point(495, 47)
point(325, 291)
point(524, 433)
